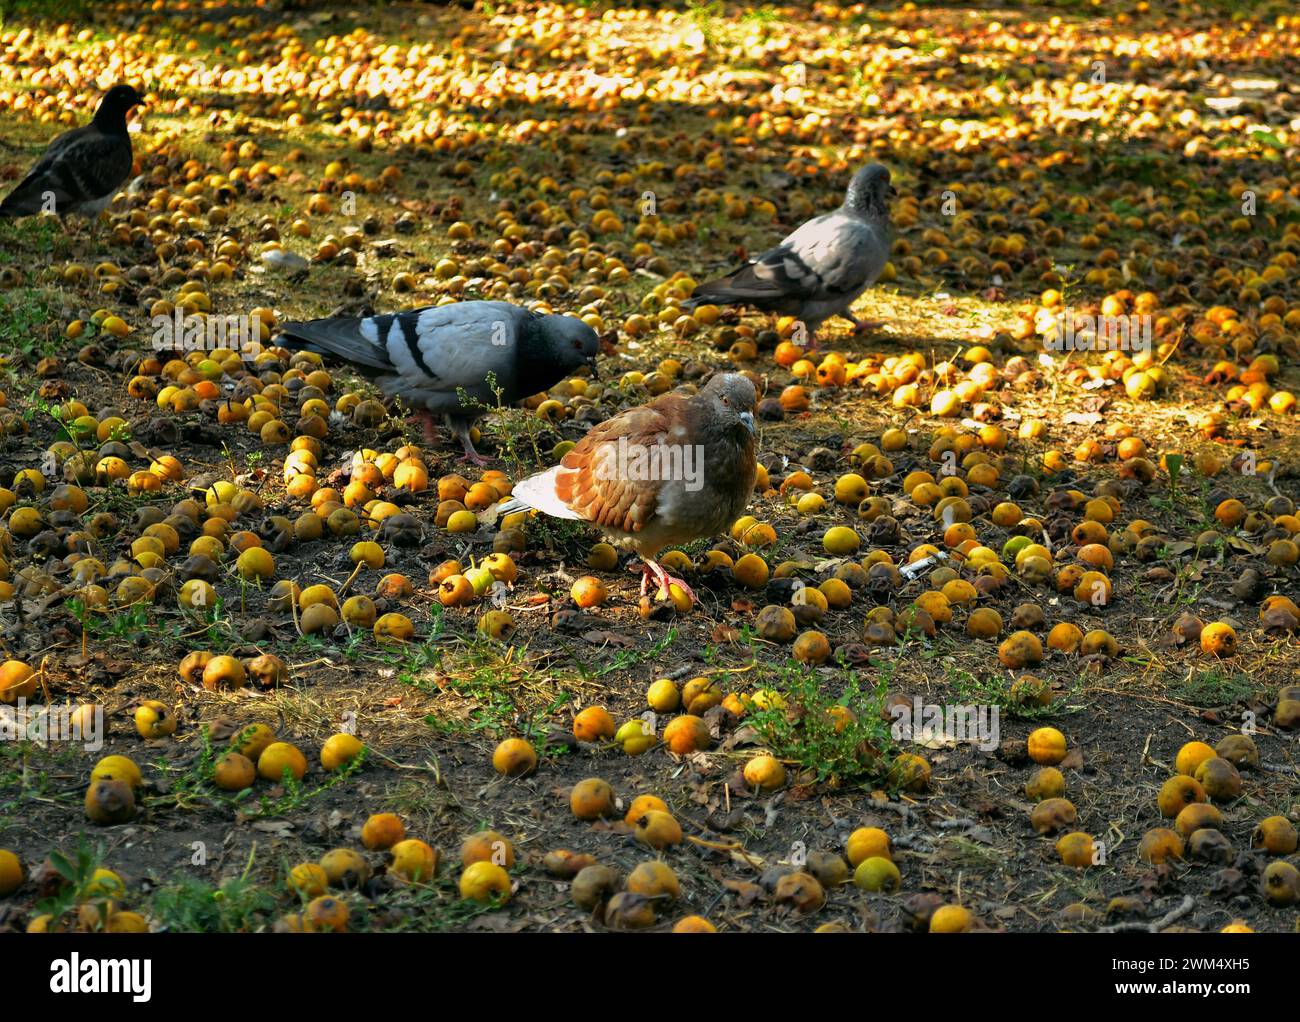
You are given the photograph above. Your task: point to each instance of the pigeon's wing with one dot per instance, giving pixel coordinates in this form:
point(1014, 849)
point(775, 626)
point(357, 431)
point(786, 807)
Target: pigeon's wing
point(597, 480)
point(80, 166)
point(835, 256)
point(462, 344)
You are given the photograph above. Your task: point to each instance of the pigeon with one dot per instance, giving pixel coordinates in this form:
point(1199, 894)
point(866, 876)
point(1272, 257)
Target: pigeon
point(819, 270)
point(660, 474)
point(83, 168)
point(458, 360)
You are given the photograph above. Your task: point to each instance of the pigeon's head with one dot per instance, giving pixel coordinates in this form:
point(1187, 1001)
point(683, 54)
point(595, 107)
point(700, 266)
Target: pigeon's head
point(571, 343)
point(116, 102)
point(732, 398)
point(869, 190)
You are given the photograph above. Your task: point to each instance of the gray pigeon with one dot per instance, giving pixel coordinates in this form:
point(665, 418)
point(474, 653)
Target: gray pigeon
point(83, 168)
point(819, 270)
point(668, 472)
point(438, 359)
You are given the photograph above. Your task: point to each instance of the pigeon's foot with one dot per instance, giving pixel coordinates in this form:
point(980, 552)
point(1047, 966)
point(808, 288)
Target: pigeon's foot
point(807, 337)
point(665, 581)
point(88, 227)
point(646, 574)
point(863, 326)
point(467, 442)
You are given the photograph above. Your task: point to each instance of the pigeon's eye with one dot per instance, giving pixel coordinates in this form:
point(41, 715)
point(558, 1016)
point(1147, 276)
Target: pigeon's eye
point(727, 401)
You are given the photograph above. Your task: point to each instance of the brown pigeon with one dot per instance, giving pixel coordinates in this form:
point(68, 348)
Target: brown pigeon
point(664, 473)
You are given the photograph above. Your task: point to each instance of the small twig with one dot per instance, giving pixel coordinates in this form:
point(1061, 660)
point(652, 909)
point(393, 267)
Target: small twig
point(44, 688)
point(293, 610)
point(343, 589)
point(1168, 919)
point(726, 846)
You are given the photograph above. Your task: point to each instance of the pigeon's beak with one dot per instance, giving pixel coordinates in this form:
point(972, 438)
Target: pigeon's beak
point(591, 365)
point(747, 418)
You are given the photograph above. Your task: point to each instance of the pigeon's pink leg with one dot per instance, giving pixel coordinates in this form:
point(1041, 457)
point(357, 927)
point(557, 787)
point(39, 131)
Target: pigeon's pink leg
point(429, 426)
point(664, 579)
point(646, 575)
point(462, 432)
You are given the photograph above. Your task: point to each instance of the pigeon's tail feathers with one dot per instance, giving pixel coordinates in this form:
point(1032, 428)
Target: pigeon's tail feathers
point(353, 340)
point(538, 493)
point(715, 292)
point(24, 200)
point(737, 289)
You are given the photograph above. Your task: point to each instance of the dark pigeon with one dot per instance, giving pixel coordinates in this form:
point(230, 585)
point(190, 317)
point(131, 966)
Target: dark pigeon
point(83, 168)
point(821, 268)
point(438, 360)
